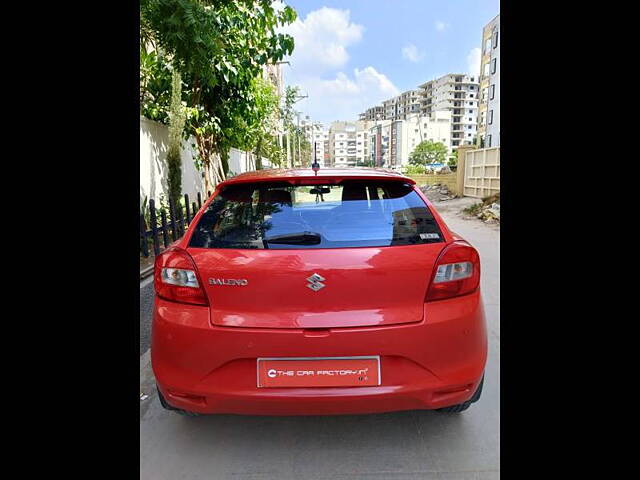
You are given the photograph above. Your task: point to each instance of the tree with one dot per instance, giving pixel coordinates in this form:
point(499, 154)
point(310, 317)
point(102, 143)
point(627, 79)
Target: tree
point(174, 147)
point(220, 48)
point(427, 152)
point(452, 161)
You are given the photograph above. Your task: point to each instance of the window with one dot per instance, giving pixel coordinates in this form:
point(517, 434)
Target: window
point(353, 214)
point(493, 92)
point(487, 44)
point(486, 69)
point(488, 140)
point(490, 117)
point(495, 39)
point(493, 65)
point(471, 95)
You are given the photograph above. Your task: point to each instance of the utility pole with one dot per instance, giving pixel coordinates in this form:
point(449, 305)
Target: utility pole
point(290, 160)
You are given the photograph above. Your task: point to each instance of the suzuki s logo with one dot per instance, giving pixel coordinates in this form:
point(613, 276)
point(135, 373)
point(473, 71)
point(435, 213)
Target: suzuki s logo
point(228, 281)
point(315, 282)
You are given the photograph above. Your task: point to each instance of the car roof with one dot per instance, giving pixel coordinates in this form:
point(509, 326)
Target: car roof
point(298, 174)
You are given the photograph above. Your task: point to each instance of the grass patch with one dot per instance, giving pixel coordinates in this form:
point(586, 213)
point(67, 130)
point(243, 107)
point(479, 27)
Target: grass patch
point(474, 209)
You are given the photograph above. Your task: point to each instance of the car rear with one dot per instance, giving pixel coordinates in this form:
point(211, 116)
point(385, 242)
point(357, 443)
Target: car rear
point(293, 293)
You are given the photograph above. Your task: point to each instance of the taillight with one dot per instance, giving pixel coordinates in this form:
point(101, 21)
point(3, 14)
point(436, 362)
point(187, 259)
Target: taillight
point(176, 279)
point(457, 272)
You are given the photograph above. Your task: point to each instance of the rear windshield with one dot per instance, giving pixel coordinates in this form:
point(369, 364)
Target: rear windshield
point(283, 216)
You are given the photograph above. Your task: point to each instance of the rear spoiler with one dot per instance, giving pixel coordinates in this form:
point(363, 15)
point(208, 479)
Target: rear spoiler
point(317, 180)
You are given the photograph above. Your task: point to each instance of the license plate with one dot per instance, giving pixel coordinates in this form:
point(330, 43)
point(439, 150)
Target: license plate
point(319, 372)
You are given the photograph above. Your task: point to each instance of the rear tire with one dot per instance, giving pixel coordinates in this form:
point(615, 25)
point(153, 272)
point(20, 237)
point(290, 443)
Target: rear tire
point(179, 411)
point(461, 407)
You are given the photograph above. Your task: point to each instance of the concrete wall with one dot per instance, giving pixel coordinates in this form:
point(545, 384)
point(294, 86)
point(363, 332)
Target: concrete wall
point(153, 168)
point(448, 179)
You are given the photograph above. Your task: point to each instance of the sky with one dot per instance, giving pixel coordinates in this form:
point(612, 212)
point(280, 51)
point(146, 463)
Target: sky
point(350, 55)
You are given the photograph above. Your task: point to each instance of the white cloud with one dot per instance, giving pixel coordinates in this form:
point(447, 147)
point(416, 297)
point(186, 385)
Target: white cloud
point(322, 38)
point(441, 26)
point(473, 62)
point(411, 53)
point(319, 67)
point(343, 97)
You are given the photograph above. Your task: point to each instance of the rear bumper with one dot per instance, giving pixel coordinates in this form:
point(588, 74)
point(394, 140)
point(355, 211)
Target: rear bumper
point(431, 364)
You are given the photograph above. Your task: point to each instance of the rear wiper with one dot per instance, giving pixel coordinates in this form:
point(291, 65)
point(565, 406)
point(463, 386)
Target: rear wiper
point(302, 238)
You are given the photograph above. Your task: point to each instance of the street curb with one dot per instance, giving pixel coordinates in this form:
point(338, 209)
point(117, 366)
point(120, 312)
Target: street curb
point(146, 272)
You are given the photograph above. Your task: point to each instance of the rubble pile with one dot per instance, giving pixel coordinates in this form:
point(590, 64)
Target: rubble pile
point(488, 211)
point(437, 192)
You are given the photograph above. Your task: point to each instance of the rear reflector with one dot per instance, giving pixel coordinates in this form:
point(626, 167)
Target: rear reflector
point(457, 272)
point(176, 278)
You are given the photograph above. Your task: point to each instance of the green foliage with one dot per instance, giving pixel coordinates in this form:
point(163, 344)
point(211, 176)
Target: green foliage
point(176, 128)
point(427, 152)
point(220, 48)
point(155, 85)
point(415, 170)
point(474, 209)
point(452, 161)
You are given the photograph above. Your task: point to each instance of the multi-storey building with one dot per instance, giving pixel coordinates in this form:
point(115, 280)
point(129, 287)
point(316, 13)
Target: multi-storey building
point(320, 142)
point(397, 108)
point(317, 137)
point(392, 141)
point(489, 110)
point(348, 143)
point(408, 103)
point(273, 73)
point(373, 113)
point(459, 94)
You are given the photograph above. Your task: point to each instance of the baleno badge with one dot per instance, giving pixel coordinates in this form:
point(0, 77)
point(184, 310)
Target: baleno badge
point(228, 281)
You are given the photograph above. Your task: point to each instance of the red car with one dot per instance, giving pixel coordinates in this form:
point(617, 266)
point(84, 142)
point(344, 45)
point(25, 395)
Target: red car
point(296, 292)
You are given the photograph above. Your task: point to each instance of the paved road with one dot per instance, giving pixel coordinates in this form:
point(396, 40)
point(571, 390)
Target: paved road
point(146, 306)
point(406, 445)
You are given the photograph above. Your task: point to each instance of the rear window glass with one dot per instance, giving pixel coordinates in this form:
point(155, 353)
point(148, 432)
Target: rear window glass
point(283, 216)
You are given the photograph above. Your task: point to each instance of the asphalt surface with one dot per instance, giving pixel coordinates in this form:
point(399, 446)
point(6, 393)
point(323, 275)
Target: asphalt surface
point(403, 445)
point(146, 308)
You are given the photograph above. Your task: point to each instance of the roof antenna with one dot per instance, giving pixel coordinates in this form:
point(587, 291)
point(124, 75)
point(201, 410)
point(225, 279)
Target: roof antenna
point(315, 166)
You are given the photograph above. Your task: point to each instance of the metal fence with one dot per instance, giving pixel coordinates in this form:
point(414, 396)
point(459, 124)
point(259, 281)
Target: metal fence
point(157, 229)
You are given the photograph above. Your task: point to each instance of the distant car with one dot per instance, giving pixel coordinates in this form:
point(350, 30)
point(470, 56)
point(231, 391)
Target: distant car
point(296, 293)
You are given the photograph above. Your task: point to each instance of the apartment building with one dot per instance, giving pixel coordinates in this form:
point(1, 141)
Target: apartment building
point(373, 113)
point(348, 143)
point(458, 94)
point(392, 141)
point(489, 109)
point(315, 133)
point(321, 142)
point(397, 108)
point(273, 73)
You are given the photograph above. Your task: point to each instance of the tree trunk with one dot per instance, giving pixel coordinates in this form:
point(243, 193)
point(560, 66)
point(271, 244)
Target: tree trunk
point(259, 155)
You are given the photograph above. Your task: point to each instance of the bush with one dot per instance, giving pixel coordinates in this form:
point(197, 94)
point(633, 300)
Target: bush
point(416, 170)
